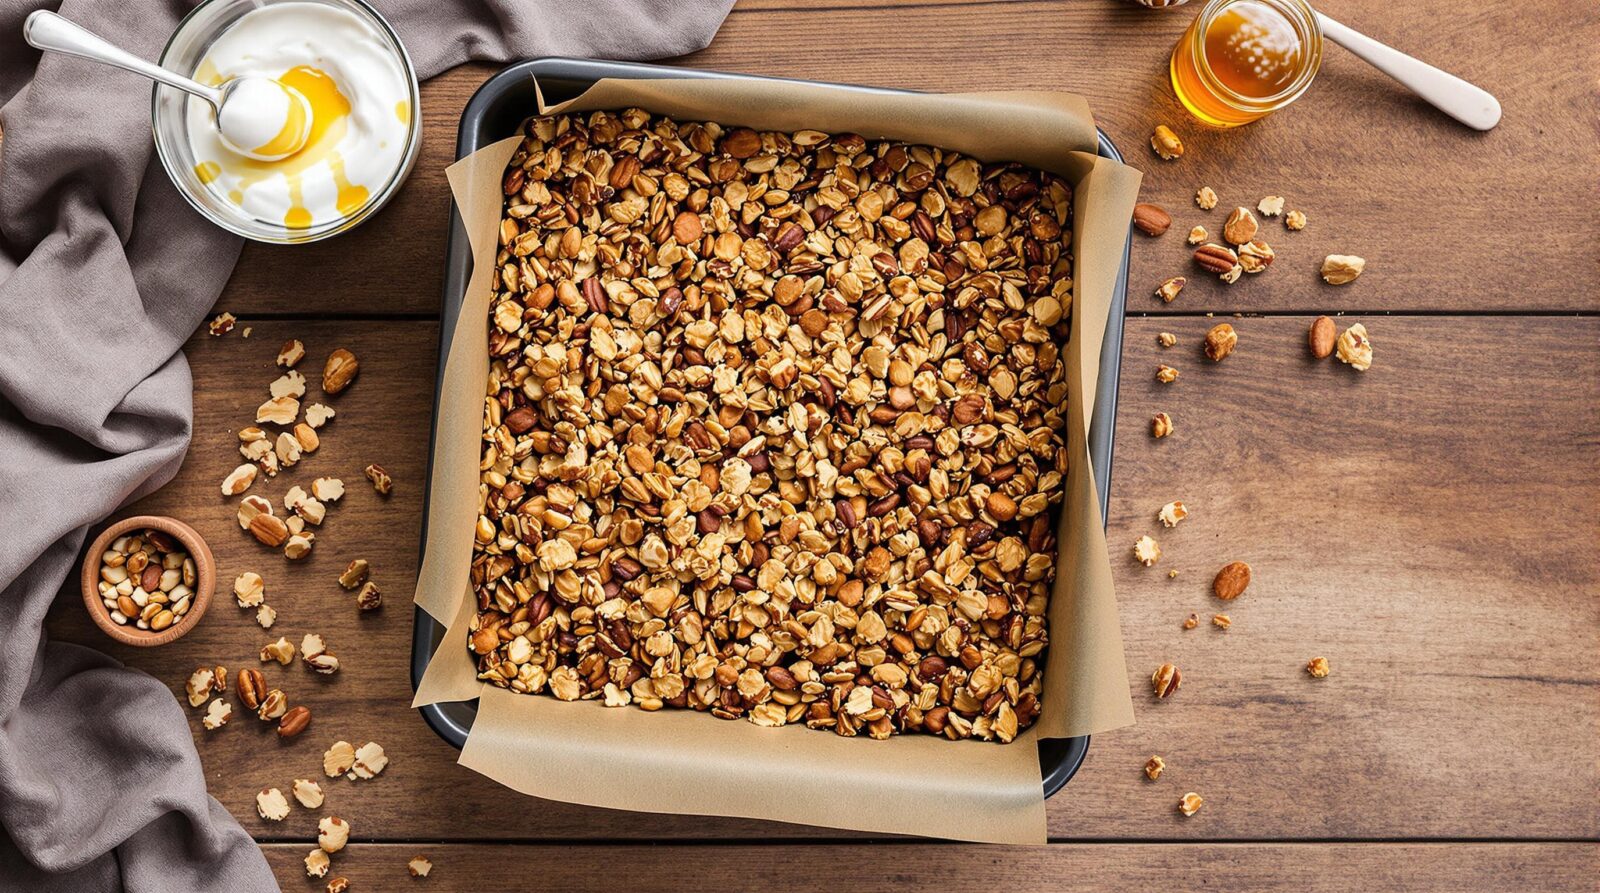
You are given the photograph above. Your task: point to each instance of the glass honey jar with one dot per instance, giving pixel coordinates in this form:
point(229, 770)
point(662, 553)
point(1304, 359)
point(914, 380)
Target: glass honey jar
point(1241, 60)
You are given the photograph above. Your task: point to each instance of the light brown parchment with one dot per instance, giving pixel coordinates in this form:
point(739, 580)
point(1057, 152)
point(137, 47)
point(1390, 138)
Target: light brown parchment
point(685, 762)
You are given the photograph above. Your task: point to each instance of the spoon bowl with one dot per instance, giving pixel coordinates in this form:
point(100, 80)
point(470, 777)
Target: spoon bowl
point(263, 119)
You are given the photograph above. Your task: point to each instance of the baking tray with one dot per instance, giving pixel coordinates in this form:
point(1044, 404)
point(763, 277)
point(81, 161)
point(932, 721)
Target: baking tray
point(495, 112)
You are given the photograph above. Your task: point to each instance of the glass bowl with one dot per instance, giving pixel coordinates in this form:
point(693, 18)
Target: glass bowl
point(169, 108)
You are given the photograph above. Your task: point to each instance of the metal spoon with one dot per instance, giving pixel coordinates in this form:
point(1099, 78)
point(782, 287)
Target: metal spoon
point(1465, 102)
point(243, 106)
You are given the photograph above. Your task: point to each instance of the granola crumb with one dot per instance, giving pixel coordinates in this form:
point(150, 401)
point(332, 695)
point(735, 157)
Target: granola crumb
point(1318, 668)
point(1161, 425)
point(1190, 803)
point(1166, 339)
point(221, 324)
point(1271, 206)
point(1221, 621)
point(1172, 513)
point(1146, 551)
point(1153, 767)
point(1294, 220)
point(1206, 198)
point(1166, 374)
point(419, 866)
point(1192, 621)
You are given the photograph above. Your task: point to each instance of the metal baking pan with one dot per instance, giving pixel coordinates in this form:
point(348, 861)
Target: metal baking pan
point(494, 113)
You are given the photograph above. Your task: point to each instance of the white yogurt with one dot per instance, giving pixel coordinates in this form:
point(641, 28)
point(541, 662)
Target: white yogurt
point(360, 106)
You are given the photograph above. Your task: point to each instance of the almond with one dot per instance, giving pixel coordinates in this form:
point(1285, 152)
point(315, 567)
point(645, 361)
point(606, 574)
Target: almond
point(1321, 337)
point(1231, 581)
point(1241, 226)
point(1151, 219)
point(339, 371)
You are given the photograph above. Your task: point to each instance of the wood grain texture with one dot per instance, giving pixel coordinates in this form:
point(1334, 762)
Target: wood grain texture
point(1392, 526)
point(1060, 868)
point(1447, 219)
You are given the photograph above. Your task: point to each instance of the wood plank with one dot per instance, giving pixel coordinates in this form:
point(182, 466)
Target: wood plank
point(1435, 209)
point(1453, 595)
point(1060, 868)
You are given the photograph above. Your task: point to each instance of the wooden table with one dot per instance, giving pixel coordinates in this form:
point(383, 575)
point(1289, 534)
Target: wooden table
point(1429, 526)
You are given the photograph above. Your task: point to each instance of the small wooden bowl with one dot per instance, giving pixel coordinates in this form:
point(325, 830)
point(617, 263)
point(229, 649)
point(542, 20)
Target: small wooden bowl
point(205, 580)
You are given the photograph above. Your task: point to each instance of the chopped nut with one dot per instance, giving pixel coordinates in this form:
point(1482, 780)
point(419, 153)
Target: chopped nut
point(369, 761)
point(272, 805)
point(338, 759)
point(318, 415)
point(1166, 374)
point(287, 449)
point(312, 645)
point(249, 589)
point(1338, 269)
point(327, 489)
point(199, 686)
point(1192, 621)
point(1271, 206)
point(1255, 256)
point(1221, 621)
point(332, 833)
point(1166, 339)
point(317, 863)
point(278, 411)
point(380, 479)
point(370, 598)
point(1172, 575)
point(290, 353)
point(1220, 341)
point(1153, 767)
point(1231, 581)
point(222, 323)
point(1197, 235)
point(238, 480)
point(274, 704)
point(218, 712)
point(355, 574)
point(1294, 220)
point(308, 792)
point(1165, 680)
point(299, 546)
point(1190, 804)
point(246, 332)
point(1206, 198)
point(1172, 513)
point(1170, 288)
point(339, 371)
point(281, 651)
point(1166, 143)
point(1240, 227)
point(1161, 425)
point(419, 866)
point(1355, 348)
point(1146, 551)
point(289, 384)
point(307, 438)
point(338, 885)
point(1318, 667)
point(326, 664)
point(1321, 337)
point(266, 615)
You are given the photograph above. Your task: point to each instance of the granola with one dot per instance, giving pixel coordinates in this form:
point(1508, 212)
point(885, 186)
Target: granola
point(774, 427)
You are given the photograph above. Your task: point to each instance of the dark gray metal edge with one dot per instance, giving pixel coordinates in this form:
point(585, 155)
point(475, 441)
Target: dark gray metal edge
point(1060, 759)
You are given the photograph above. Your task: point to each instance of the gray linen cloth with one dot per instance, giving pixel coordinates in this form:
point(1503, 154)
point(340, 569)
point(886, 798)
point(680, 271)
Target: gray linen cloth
point(104, 272)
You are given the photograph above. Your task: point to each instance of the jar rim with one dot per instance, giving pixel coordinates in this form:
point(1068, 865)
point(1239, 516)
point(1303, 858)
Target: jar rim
point(1298, 14)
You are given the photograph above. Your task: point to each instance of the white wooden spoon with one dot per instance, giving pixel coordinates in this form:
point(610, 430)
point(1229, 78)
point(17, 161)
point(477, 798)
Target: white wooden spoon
point(1465, 102)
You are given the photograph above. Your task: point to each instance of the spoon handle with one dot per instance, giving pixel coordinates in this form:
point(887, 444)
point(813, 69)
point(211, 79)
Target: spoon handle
point(1465, 102)
point(48, 31)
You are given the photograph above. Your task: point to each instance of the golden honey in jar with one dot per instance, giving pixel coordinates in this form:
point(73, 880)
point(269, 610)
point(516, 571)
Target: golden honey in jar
point(1243, 59)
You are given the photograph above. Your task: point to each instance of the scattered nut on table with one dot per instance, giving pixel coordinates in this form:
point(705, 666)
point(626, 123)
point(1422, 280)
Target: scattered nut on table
point(308, 792)
point(1270, 206)
point(272, 805)
point(1166, 374)
point(1231, 581)
point(1322, 336)
point(293, 722)
point(1220, 341)
point(1355, 348)
point(218, 712)
point(1154, 766)
point(290, 353)
point(1190, 803)
point(1152, 220)
point(1197, 235)
point(147, 580)
point(1161, 425)
point(338, 759)
point(1221, 621)
point(1171, 513)
point(252, 687)
point(1206, 198)
point(221, 324)
point(332, 833)
point(419, 866)
point(1294, 220)
point(339, 371)
point(281, 651)
point(1318, 667)
point(1165, 680)
point(380, 479)
point(1146, 551)
point(1339, 269)
point(1166, 143)
point(370, 598)
point(1240, 227)
point(317, 863)
point(355, 573)
point(1169, 289)
point(1192, 621)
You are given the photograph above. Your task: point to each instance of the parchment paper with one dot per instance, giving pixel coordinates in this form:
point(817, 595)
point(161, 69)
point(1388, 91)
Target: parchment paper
point(685, 762)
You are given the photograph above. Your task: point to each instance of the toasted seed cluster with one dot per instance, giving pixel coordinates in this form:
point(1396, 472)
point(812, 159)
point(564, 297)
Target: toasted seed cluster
point(773, 428)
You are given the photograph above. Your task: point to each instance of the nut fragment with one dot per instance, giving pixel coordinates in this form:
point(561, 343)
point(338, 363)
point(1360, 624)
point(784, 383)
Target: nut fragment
point(1240, 227)
point(218, 712)
point(1355, 348)
point(1255, 256)
point(1318, 667)
point(1146, 551)
point(252, 687)
point(295, 721)
point(1161, 425)
point(1197, 235)
point(1221, 621)
point(1166, 143)
point(332, 833)
point(419, 866)
point(1216, 258)
point(338, 885)
point(317, 863)
point(1206, 198)
point(1153, 767)
point(221, 324)
point(318, 414)
point(1321, 337)
point(369, 761)
point(1190, 803)
point(355, 574)
point(266, 615)
point(278, 411)
point(1152, 220)
point(269, 529)
point(339, 370)
point(1294, 220)
point(238, 480)
point(380, 479)
point(1165, 680)
point(326, 664)
point(281, 651)
point(1338, 269)
point(1166, 374)
point(289, 384)
point(273, 705)
point(338, 759)
point(1231, 581)
point(1220, 341)
point(299, 546)
point(1270, 206)
point(1170, 288)
point(1166, 339)
point(272, 805)
point(1172, 513)
point(308, 792)
point(1192, 621)
point(199, 686)
point(328, 489)
point(370, 598)
point(290, 353)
